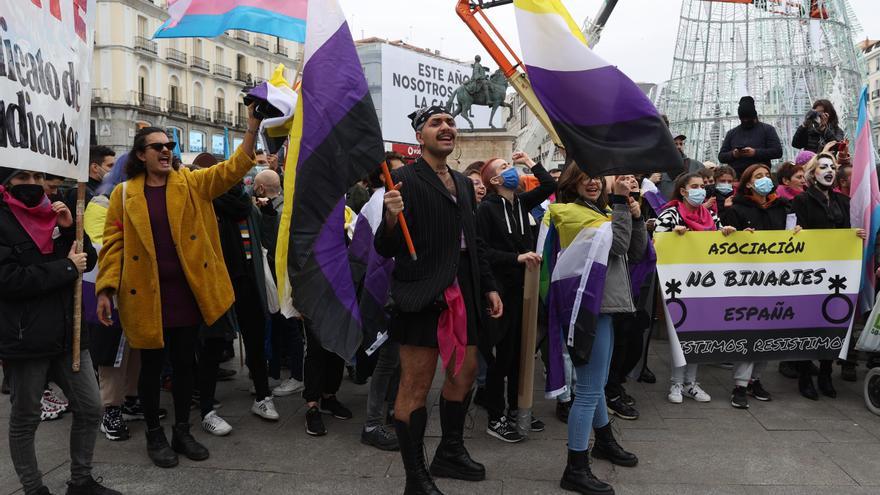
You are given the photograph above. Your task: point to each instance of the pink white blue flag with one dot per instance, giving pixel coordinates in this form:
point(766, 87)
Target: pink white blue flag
point(210, 18)
point(865, 199)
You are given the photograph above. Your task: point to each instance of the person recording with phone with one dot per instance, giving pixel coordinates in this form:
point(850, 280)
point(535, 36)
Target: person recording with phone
point(820, 127)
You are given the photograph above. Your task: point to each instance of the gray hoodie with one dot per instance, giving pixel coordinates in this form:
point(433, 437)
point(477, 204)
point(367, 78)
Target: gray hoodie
point(630, 240)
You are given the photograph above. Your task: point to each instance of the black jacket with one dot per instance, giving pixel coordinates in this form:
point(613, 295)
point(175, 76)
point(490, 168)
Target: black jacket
point(762, 138)
point(812, 139)
point(815, 211)
point(504, 229)
point(36, 292)
point(746, 214)
point(712, 192)
point(436, 223)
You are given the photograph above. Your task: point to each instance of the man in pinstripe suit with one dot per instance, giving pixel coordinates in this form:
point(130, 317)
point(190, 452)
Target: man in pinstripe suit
point(438, 300)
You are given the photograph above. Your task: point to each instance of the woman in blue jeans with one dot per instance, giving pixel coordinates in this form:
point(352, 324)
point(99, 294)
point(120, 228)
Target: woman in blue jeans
point(597, 236)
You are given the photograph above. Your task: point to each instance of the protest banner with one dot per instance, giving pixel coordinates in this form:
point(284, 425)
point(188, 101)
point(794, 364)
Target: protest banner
point(759, 296)
point(45, 85)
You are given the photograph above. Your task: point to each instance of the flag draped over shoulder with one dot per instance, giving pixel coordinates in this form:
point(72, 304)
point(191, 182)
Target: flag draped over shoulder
point(209, 18)
point(653, 196)
point(335, 141)
point(865, 199)
point(605, 121)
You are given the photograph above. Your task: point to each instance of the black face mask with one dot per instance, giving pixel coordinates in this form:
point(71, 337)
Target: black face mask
point(29, 194)
point(748, 124)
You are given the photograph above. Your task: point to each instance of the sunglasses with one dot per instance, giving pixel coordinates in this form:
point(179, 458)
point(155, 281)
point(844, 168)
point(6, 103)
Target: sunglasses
point(170, 145)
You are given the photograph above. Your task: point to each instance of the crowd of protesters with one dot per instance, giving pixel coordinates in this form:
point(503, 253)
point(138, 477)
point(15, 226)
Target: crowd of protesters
point(178, 264)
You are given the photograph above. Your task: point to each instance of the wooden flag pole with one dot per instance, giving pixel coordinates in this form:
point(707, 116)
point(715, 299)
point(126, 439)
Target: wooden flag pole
point(389, 185)
point(77, 291)
point(525, 393)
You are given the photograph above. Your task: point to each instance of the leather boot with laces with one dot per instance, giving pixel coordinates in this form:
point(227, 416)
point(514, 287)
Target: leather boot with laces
point(411, 437)
point(183, 442)
point(452, 460)
point(606, 447)
point(578, 477)
point(158, 449)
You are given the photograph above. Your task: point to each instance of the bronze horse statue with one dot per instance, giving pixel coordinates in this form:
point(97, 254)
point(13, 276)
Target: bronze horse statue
point(469, 95)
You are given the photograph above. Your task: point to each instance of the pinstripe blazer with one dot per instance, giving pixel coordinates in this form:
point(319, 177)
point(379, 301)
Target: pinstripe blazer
point(436, 222)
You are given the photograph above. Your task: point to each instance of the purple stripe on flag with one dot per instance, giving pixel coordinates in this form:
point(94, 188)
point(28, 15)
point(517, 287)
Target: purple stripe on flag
point(655, 200)
point(566, 290)
point(600, 96)
point(643, 269)
point(362, 241)
point(333, 83)
point(714, 314)
point(335, 269)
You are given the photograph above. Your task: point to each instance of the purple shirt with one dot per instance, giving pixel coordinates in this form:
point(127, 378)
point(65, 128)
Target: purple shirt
point(179, 307)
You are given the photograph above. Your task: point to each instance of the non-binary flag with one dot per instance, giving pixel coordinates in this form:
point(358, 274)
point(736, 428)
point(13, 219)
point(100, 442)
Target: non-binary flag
point(209, 18)
point(865, 199)
point(605, 121)
point(335, 141)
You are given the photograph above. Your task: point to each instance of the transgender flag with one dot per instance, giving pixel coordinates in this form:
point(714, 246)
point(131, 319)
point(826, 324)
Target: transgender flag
point(865, 199)
point(334, 142)
point(209, 18)
point(605, 121)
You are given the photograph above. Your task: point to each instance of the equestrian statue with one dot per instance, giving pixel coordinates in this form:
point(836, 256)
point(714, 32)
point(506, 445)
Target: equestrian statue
point(480, 90)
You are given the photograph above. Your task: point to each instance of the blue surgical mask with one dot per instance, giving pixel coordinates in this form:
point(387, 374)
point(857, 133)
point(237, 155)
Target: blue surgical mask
point(696, 196)
point(763, 186)
point(511, 178)
point(724, 188)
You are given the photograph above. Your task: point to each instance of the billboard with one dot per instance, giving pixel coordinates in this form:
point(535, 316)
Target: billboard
point(412, 80)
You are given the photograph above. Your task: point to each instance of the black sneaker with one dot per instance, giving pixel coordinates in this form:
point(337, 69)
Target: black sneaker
point(627, 399)
point(382, 437)
point(647, 376)
point(91, 487)
point(536, 426)
point(113, 426)
point(133, 410)
point(331, 405)
point(562, 411)
point(620, 409)
point(738, 398)
point(788, 369)
point(756, 390)
point(314, 423)
point(502, 430)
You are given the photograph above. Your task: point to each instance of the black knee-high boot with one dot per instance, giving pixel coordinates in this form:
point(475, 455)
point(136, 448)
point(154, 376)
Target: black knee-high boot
point(452, 459)
point(412, 449)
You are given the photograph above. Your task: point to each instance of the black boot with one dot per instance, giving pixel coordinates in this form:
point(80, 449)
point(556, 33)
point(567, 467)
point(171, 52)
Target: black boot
point(412, 449)
point(825, 385)
point(452, 460)
point(805, 385)
point(159, 450)
point(579, 478)
point(606, 447)
point(183, 443)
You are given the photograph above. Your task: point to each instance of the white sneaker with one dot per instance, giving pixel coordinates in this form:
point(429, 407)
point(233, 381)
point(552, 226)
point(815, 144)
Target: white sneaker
point(265, 409)
point(215, 425)
point(675, 393)
point(694, 391)
point(287, 387)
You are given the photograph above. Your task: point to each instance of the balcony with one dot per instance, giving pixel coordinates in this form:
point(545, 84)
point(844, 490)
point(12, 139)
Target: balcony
point(148, 102)
point(145, 45)
point(281, 50)
point(175, 56)
point(241, 121)
point(222, 71)
point(177, 108)
point(223, 118)
point(100, 95)
point(199, 63)
point(243, 77)
point(200, 114)
point(875, 94)
point(259, 80)
point(262, 43)
point(243, 36)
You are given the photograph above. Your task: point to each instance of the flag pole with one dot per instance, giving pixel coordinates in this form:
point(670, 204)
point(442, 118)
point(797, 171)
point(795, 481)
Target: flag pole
point(525, 393)
point(77, 291)
point(389, 185)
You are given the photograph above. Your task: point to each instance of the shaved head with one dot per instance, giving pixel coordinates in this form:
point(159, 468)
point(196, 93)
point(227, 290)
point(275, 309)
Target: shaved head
point(267, 184)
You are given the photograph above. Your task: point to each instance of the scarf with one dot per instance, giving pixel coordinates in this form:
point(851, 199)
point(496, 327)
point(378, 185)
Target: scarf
point(698, 220)
point(771, 200)
point(39, 222)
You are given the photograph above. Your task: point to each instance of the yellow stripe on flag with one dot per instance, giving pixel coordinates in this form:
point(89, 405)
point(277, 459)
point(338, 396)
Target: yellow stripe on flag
point(285, 293)
point(552, 7)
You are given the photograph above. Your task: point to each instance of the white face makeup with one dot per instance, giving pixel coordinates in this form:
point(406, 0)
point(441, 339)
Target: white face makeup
point(825, 172)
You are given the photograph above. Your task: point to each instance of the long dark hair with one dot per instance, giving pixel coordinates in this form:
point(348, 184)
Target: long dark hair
point(746, 177)
point(567, 189)
point(135, 166)
point(681, 182)
point(829, 109)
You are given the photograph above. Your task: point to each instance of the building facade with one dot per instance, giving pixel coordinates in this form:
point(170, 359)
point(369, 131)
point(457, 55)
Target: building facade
point(871, 53)
point(189, 86)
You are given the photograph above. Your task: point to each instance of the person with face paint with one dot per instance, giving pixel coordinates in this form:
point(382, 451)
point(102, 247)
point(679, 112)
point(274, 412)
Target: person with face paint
point(504, 225)
point(750, 142)
point(821, 207)
point(686, 212)
point(39, 267)
point(755, 207)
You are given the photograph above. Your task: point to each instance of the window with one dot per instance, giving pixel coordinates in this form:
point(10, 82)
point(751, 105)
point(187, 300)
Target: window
point(197, 95)
point(197, 48)
point(236, 142)
point(218, 56)
point(143, 30)
point(261, 69)
point(174, 90)
point(523, 116)
point(197, 142)
point(217, 144)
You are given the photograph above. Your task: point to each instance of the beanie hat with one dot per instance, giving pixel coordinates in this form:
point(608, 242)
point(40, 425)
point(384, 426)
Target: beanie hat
point(746, 108)
point(803, 157)
point(7, 173)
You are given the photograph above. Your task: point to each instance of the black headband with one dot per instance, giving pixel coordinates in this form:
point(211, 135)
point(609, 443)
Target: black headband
point(420, 116)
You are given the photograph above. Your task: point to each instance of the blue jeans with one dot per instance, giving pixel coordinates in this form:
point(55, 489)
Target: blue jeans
point(589, 410)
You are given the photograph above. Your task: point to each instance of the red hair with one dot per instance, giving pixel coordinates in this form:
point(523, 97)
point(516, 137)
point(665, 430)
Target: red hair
point(487, 173)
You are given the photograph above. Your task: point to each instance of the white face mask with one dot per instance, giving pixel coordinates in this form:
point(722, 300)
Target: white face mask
point(825, 172)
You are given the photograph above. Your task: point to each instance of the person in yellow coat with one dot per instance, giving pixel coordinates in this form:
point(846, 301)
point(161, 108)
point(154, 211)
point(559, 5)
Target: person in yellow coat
point(161, 261)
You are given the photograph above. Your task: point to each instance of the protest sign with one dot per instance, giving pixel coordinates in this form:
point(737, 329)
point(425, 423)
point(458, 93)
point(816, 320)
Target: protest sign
point(45, 85)
point(759, 296)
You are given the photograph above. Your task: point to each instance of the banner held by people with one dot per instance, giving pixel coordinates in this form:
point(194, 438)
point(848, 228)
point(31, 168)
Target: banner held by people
point(758, 296)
